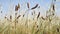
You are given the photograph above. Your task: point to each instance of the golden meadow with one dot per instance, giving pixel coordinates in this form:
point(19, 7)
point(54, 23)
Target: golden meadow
point(36, 24)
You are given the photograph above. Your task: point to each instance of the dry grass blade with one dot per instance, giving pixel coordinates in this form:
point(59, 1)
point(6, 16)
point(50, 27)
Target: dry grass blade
point(28, 5)
point(34, 7)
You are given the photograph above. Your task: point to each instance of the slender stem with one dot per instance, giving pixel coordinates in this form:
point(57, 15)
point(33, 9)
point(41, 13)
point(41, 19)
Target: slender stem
point(15, 22)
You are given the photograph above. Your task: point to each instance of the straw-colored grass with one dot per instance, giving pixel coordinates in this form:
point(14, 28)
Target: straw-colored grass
point(34, 25)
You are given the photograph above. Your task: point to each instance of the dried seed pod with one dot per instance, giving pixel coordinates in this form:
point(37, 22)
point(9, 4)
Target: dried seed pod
point(38, 15)
point(34, 7)
point(18, 16)
point(28, 5)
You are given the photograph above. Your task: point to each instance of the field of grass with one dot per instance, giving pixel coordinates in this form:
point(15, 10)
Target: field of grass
point(33, 23)
point(31, 26)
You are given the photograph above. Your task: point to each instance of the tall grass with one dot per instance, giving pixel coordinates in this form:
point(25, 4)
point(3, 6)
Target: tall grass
point(36, 25)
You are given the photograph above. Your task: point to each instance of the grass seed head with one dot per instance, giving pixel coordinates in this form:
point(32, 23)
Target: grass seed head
point(34, 7)
point(18, 16)
point(38, 15)
point(17, 7)
point(28, 5)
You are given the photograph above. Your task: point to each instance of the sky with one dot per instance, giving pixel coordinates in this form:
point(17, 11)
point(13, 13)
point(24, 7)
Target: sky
point(8, 5)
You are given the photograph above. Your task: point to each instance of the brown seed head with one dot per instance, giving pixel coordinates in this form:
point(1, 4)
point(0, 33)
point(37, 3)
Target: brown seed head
point(18, 16)
point(34, 7)
point(28, 5)
point(17, 7)
point(38, 15)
